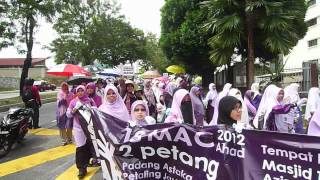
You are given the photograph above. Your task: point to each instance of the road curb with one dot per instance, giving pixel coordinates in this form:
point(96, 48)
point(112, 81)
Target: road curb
point(7, 107)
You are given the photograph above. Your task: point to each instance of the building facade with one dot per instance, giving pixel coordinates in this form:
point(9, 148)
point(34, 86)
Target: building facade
point(308, 48)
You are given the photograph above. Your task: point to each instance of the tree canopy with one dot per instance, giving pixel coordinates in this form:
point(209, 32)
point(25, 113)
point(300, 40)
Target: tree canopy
point(260, 28)
point(97, 32)
point(183, 38)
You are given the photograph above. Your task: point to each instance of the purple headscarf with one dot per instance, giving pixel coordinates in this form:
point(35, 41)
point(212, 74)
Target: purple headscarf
point(97, 99)
point(84, 99)
point(248, 96)
point(117, 109)
point(197, 104)
point(133, 118)
point(62, 95)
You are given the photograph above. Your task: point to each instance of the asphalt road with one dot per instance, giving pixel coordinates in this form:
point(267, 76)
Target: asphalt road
point(41, 155)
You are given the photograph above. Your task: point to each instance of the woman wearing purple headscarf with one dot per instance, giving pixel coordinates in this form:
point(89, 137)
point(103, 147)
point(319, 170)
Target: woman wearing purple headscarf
point(140, 114)
point(83, 150)
point(91, 90)
point(63, 122)
point(181, 109)
point(198, 107)
point(248, 101)
point(113, 104)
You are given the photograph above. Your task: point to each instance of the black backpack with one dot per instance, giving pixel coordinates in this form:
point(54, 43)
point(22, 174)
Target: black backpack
point(27, 95)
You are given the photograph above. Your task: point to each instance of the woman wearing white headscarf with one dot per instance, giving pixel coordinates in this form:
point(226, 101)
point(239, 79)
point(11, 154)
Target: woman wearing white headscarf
point(292, 96)
point(273, 112)
point(113, 104)
point(223, 93)
point(244, 115)
point(312, 103)
point(314, 125)
point(181, 109)
point(209, 100)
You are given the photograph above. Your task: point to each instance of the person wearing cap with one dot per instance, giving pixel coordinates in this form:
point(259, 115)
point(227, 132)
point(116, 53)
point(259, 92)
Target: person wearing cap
point(129, 96)
point(140, 94)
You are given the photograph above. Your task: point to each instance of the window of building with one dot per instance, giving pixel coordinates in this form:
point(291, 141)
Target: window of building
point(311, 2)
point(313, 42)
point(312, 22)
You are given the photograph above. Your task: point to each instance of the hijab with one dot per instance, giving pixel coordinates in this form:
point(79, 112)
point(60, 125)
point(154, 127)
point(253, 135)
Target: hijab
point(268, 101)
point(196, 101)
point(291, 93)
point(117, 109)
point(248, 97)
point(212, 94)
point(133, 118)
point(223, 93)
point(244, 114)
point(148, 92)
point(64, 95)
point(170, 88)
point(314, 125)
point(176, 112)
point(226, 105)
point(255, 89)
point(313, 102)
point(97, 99)
point(84, 99)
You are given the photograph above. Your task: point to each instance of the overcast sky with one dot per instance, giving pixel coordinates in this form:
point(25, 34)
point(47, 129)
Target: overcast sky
point(142, 14)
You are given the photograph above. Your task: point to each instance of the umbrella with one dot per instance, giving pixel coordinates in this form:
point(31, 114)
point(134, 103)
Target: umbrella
point(109, 72)
point(176, 69)
point(77, 80)
point(151, 74)
point(68, 70)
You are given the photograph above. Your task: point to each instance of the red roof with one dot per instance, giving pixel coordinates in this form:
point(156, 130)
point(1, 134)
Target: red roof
point(19, 61)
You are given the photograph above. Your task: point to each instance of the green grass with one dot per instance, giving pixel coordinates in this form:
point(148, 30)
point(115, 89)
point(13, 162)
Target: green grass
point(7, 89)
point(16, 100)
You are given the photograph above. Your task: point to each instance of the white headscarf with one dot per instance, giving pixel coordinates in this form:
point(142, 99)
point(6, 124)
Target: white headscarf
point(117, 109)
point(313, 102)
point(268, 101)
point(244, 114)
point(255, 89)
point(223, 93)
point(291, 94)
point(212, 94)
point(175, 113)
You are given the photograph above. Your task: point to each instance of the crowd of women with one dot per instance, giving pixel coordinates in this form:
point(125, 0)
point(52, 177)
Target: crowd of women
point(175, 100)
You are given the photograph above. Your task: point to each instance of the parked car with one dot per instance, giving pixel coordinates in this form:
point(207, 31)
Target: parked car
point(44, 85)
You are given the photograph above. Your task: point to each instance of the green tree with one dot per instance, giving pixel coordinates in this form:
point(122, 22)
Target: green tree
point(7, 31)
point(114, 41)
point(155, 58)
point(26, 14)
point(256, 28)
point(71, 26)
point(182, 38)
point(96, 32)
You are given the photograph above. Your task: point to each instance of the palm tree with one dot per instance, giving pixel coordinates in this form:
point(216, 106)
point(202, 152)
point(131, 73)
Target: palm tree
point(256, 28)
